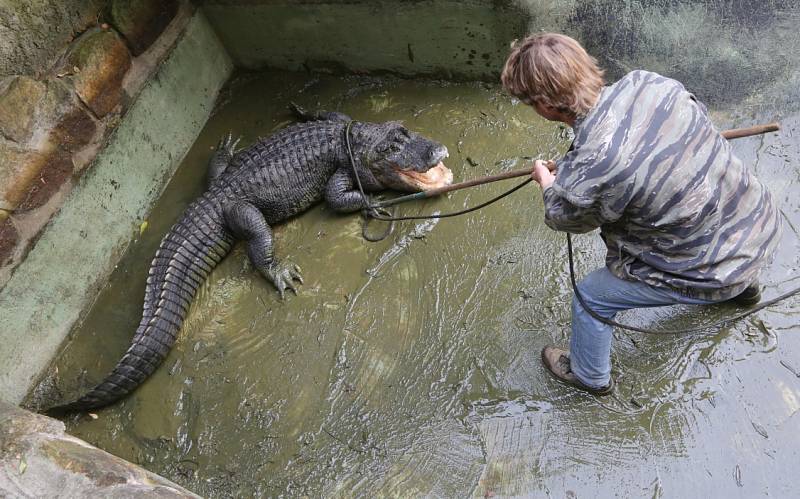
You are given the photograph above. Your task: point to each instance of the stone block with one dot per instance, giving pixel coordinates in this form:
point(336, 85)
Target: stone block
point(141, 22)
point(8, 237)
point(28, 105)
point(33, 33)
point(29, 178)
point(39, 459)
point(19, 98)
point(96, 64)
point(18, 169)
point(55, 172)
point(71, 126)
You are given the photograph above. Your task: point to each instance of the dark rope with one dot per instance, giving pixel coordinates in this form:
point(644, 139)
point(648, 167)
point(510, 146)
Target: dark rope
point(374, 239)
point(454, 213)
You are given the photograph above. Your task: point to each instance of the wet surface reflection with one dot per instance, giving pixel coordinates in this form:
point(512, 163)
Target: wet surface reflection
point(411, 366)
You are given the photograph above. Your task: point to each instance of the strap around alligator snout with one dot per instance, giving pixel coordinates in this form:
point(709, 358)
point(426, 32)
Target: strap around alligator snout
point(352, 160)
point(370, 146)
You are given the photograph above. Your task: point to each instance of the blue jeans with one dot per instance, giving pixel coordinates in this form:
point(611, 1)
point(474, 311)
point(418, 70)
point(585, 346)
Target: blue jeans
point(606, 294)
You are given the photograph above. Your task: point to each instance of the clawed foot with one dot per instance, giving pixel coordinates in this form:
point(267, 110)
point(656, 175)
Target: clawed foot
point(283, 276)
point(299, 113)
point(226, 148)
point(228, 145)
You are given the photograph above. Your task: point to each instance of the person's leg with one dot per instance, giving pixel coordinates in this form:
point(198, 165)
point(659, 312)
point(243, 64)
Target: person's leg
point(606, 295)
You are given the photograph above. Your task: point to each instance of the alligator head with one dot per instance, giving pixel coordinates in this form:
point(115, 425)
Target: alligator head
point(390, 156)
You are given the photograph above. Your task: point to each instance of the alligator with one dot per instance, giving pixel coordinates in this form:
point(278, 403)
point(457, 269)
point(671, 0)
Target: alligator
point(250, 190)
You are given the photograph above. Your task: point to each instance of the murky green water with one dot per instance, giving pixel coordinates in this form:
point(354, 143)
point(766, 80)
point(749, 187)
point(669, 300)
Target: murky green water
point(411, 366)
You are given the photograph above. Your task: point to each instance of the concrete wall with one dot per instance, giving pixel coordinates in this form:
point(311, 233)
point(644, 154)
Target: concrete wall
point(72, 258)
point(452, 39)
point(717, 47)
point(99, 101)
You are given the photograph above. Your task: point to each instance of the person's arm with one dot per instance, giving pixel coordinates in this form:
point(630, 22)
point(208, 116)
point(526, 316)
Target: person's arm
point(559, 213)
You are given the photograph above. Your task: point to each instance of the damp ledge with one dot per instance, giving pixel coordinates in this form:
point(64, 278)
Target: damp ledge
point(77, 251)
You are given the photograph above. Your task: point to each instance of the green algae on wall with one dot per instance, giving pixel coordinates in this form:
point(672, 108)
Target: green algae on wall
point(723, 50)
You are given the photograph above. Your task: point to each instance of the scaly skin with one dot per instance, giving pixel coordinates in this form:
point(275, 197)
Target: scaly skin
point(266, 183)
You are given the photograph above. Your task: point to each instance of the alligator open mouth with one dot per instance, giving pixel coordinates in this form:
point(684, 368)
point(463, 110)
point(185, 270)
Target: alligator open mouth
point(437, 176)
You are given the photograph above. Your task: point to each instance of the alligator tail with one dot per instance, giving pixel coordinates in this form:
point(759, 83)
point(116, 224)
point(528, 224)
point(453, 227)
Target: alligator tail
point(187, 254)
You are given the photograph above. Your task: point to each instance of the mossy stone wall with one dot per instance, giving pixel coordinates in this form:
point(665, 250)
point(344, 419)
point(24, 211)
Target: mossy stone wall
point(68, 71)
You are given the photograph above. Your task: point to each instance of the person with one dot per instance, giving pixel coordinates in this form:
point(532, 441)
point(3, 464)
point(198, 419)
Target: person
point(683, 220)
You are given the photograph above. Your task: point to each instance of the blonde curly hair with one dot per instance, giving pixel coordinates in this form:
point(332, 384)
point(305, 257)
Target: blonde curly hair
point(554, 70)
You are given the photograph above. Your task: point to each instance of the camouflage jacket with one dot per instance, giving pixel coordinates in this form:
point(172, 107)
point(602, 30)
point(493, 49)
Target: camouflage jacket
point(674, 206)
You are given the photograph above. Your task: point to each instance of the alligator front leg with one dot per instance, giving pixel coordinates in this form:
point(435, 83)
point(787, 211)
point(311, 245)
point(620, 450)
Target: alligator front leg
point(226, 148)
point(342, 195)
point(246, 222)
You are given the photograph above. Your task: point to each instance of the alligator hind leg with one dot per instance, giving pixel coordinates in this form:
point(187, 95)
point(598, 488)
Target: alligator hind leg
point(226, 148)
point(246, 222)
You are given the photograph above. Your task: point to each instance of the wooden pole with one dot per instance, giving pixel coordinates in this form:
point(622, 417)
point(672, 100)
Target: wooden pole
point(728, 134)
point(753, 130)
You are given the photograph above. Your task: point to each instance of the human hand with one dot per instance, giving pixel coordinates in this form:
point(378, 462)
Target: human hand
point(542, 172)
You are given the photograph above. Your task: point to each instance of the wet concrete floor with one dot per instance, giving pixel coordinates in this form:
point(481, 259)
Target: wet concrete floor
point(411, 366)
